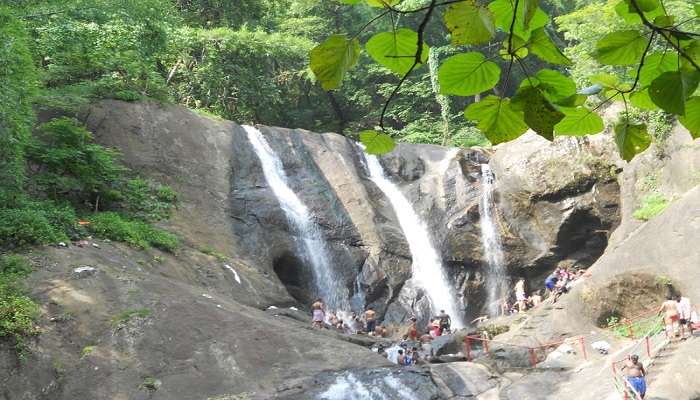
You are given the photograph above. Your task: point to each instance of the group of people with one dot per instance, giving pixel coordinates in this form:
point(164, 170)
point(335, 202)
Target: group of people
point(347, 322)
point(679, 316)
point(557, 283)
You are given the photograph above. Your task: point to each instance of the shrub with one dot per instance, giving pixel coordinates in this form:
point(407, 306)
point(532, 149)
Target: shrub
point(26, 222)
point(15, 265)
point(113, 226)
point(141, 200)
point(653, 204)
point(126, 315)
point(17, 313)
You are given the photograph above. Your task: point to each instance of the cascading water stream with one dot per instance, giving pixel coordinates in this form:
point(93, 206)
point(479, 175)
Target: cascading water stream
point(428, 272)
point(312, 244)
point(496, 276)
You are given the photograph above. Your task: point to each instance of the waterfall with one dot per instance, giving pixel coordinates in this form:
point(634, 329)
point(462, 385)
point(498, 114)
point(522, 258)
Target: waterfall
point(428, 272)
point(329, 286)
point(496, 276)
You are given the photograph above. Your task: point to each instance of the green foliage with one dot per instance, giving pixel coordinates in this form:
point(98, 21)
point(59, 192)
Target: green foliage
point(631, 138)
point(18, 83)
point(691, 120)
point(18, 312)
point(140, 199)
point(14, 265)
point(376, 142)
point(469, 23)
point(72, 165)
point(635, 329)
point(331, 60)
point(208, 250)
point(86, 351)
point(396, 50)
point(652, 205)
point(127, 315)
point(468, 74)
point(497, 119)
point(31, 222)
point(579, 121)
point(111, 225)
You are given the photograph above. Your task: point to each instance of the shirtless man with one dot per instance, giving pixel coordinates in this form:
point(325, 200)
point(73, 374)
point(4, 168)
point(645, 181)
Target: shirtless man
point(636, 380)
point(445, 321)
point(633, 362)
point(536, 299)
point(370, 316)
point(671, 317)
point(318, 314)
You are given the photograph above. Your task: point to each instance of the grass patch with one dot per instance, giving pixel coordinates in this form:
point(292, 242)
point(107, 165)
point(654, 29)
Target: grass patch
point(127, 315)
point(208, 250)
point(87, 350)
point(636, 329)
point(18, 312)
point(150, 383)
point(113, 226)
point(652, 205)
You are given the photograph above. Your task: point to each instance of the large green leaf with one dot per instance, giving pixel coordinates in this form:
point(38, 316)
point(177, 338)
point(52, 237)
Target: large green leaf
point(692, 50)
point(641, 100)
point(396, 50)
point(630, 16)
point(579, 121)
point(621, 48)
point(529, 9)
point(350, 1)
point(382, 3)
point(331, 59)
point(644, 5)
point(468, 74)
point(469, 23)
point(553, 84)
point(670, 90)
point(496, 119)
point(691, 119)
point(544, 48)
point(503, 14)
point(377, 142)
point(540, 115)
point(655, 64)
point(631, 139)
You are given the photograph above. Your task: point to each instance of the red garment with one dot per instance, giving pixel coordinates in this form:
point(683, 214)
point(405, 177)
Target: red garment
point(413, 333)
point(437, 331)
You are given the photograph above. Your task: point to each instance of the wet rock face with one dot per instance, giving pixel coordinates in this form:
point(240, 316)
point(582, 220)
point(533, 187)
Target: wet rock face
point(556, 201)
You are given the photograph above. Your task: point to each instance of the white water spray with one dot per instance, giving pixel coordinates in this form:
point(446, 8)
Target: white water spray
point(496, 276)
point(313, 246)
point(428, 272)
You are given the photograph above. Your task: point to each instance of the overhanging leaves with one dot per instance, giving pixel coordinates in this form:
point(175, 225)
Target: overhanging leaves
point(544, 48)
point(383, 3)
point(376, 142)
point(655, 64)
point(620, 48)
point(497, 119)
point(469, 23)
point(579, 121)
point(641, 100)
point(691, 119)
point(396, 50)
point(503, 13)
point(631, 139)
point(670, 90)
point(553, 84)
point(331, 59)
point(468, 74)
point(540, 114)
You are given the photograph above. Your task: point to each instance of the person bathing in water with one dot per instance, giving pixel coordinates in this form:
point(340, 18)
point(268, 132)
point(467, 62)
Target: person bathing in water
point(318, 313)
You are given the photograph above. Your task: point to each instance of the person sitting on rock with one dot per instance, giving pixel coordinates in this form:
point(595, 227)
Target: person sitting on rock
point(318, 314)
point(671, 317)
point(408, 359)
point(381, 331)
point(435, 330)
point(370, 321)
point(551, 282)
point(445, 321)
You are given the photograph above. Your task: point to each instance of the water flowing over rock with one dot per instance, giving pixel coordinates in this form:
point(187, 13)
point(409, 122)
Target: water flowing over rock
point(313, 245)
point(496, 274)
point(428, 273)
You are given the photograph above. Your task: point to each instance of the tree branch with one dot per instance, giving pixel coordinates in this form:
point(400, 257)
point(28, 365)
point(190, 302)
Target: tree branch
point(417, 60)
point(663, 32)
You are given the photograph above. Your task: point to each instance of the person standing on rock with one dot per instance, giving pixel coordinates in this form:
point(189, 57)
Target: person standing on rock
point(520, 297)
point(685, 310)
point(413, 329)
point(318, 313)
point(671, 317)
point(371, 322)
point(635, 379)
point(445, 321)
point(633, 362)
